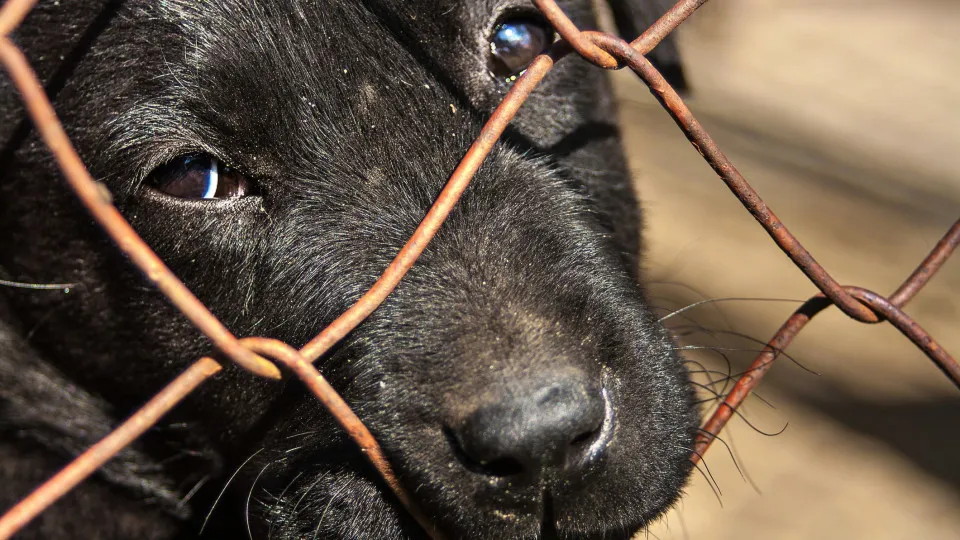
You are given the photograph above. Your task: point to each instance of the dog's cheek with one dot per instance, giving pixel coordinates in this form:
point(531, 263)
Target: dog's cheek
point(304, 488)
point(209, 246)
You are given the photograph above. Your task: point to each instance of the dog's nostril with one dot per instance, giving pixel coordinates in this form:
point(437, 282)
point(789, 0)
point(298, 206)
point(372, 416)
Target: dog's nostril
point(500, 467)
point(503, 467)
point(586, 436)
point(555, 428)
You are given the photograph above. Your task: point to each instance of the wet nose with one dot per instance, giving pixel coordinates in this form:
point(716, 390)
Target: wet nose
point(560, 426)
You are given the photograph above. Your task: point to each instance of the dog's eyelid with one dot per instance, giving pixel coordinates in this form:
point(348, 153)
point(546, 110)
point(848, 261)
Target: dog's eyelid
point(200, 176)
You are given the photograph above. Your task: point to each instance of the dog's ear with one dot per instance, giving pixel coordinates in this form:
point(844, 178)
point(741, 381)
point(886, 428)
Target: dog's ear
point(633, 17)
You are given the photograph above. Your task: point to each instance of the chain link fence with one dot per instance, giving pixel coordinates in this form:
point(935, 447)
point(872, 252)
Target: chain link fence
point(261, 356)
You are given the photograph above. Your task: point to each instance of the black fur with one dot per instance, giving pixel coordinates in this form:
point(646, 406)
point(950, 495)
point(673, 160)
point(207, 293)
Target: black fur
point(350, 115)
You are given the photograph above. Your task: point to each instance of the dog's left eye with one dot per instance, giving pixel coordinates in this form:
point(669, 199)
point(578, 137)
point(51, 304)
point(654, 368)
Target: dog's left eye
point(200, 177)
point(515, 43)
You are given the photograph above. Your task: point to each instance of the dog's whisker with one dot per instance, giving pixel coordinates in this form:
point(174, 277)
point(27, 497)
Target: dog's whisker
point(714, 489)
point(727, 362)
point(65, 287)
point(702, 295)
point(37, 325)
point(760, 431)
point(326, 508)
point(279, 501)
point(246, 508)
point(717, 396)
point(729, 378)
point(709, 474)
point(720, 351)
point(708, 372)
point(224, 490)
point(724, 443)
point(729, 299)
point(746, 473)
point(732, 452)
point(778, 351)
point(711, 391)
point(193, 491)
point(306, 492)
point(713, 348)
point(760, 398)
point(723, 376)
point(302, 434)
point(726, 379)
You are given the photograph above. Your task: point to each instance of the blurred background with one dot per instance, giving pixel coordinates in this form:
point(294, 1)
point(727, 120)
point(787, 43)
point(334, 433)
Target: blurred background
point(845, 116)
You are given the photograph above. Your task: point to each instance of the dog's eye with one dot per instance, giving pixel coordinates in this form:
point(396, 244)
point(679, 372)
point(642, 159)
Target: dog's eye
point(200, 177)
point(515, 43)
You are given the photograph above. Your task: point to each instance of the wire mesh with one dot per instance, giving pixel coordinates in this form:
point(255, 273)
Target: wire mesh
point(260, 356)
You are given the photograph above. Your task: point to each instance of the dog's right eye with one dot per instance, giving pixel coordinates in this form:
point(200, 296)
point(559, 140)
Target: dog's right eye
point(515, 43)
point(200, 177)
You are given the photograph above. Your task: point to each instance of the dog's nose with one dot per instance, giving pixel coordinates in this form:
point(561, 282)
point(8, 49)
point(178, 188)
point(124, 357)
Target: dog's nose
point(555, 428)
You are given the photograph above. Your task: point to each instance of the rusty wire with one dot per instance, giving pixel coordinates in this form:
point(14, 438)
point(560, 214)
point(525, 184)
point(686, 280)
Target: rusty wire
point(260, 355)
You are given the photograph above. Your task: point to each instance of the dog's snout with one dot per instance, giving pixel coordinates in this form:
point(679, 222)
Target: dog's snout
point(555, 428)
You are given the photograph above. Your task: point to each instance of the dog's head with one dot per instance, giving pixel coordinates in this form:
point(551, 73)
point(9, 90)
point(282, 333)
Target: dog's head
point(276, 154)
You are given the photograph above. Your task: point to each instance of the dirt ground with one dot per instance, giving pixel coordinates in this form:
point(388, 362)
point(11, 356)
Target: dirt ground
point(845, 116)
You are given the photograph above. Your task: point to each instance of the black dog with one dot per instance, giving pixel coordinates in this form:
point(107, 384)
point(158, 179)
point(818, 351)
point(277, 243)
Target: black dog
point(276, 154)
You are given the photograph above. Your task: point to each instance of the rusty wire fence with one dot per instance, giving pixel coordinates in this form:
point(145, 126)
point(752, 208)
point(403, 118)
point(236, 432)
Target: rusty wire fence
point(260, 356)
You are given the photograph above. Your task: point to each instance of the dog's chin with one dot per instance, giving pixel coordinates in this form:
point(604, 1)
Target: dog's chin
point(600, 511)
point(349, 506)
point(618, 499)
point(346, 500)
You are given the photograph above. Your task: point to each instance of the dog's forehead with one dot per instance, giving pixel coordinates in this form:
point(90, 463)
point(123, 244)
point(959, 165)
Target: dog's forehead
point(321, 34)
point(324, 76)
point(305, 41)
